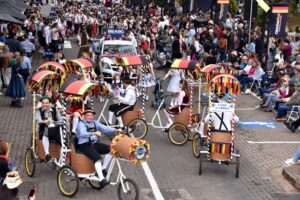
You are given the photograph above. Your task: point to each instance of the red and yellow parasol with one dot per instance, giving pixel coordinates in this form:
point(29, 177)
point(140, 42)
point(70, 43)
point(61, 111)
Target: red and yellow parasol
point(225, 83)
point(185, 64)
point(41, 78)
point(78, 88)
point(55, 67)
point(81, 66)
point(215, 69)
point(134, 60)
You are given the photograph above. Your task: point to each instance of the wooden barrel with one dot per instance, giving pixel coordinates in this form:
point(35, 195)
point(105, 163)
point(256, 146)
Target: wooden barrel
point(81, 163)
point(133, 149)
point(183, 117)
point(54, 150)
point(220, 146)
point(220, 137)
point(130, 115)
point(123, 147)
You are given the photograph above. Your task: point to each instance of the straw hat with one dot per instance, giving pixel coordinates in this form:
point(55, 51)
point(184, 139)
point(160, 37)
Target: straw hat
point(245, 58)
point(12, 180)
point(89, 111)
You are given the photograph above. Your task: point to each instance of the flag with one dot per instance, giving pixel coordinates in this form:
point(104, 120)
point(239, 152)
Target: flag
point(223, 1)
point(222, 11)
point(263, 5)
point(280, 9)
point(278, 19)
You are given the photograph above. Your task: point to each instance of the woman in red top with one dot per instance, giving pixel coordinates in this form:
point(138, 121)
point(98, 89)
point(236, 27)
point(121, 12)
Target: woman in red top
point(74, 112)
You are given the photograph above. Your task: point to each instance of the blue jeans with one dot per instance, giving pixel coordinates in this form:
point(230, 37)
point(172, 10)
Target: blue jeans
point(272, 99)
point(297, 155)
point(245, 82)
point(282, 110)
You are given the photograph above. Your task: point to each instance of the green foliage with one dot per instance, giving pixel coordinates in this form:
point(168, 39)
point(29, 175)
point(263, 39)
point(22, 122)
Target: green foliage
point(182, 2)
point(233, 6)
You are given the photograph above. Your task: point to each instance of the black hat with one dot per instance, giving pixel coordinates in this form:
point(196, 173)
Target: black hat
point(88, 111)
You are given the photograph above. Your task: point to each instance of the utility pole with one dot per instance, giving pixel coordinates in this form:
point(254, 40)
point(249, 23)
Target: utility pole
point(250, 22)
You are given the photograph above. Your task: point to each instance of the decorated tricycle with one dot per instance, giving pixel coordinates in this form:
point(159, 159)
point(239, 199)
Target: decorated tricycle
point(218, 144)
point(40, 83)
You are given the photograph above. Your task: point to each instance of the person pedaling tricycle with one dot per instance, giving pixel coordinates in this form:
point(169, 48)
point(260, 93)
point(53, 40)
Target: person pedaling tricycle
point(45, 117)
point(220, 120)
point(87, 133)
point(125, 103)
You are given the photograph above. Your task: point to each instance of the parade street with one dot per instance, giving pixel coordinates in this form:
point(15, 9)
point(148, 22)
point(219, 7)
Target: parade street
point(149, 100)
point(172, 171)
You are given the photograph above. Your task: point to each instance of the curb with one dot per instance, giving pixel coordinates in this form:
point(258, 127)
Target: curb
point(292, 174)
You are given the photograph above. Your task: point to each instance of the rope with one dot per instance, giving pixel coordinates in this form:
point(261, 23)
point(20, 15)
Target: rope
point(191, 104)
point(92, 102)
point(143, 94)
point(210, 119)
point(232, 100)
point(64, 147)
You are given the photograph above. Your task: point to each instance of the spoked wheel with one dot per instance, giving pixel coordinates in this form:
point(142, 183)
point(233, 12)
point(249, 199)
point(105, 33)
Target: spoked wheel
point(196, 145)
point(67, 181)
point(29, 162)
point(200, 163)
point(137, 128)
point(178, 133)
point(95, 184)
point(128, 190)
point(237, 169)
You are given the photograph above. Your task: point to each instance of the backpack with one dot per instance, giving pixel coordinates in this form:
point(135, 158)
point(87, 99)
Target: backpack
point(222, 44)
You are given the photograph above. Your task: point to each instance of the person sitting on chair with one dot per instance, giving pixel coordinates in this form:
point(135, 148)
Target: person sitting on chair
point(125, 104)
point(181, 102)
point(45, 117)
point(87, 133)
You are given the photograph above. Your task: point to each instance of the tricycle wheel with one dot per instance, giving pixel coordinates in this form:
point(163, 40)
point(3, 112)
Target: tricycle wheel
point(29, 162)
point(237, 169)
point(137, 128)
point(178, 133)
point(196, 145)
point(200, 163)
point(128, 189)
point(67, 181)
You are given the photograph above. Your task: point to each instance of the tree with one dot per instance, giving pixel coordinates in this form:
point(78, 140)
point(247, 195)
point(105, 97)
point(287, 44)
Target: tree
point(233, 6)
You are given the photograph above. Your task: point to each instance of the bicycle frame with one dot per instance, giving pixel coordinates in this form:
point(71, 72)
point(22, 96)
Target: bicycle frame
point(157, 114)
point(120, 177)
point(102, 116)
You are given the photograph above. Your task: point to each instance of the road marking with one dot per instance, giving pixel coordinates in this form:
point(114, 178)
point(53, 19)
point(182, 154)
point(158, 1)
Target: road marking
point(274, 142)
point(153, 184)
point(259, 124)
point(245, 109)
point(67, 45)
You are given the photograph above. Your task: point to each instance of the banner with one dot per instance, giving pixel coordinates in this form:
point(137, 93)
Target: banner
point(263, 5)
point(221, 12)
point(247, 9)
point(278, 19)
point(205, 5)
point(222, 107)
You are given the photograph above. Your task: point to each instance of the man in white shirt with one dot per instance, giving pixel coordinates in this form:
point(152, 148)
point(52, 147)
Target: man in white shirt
point(47, 34)
point(161, 24)
point(125, 104)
